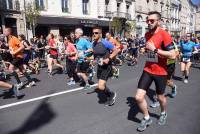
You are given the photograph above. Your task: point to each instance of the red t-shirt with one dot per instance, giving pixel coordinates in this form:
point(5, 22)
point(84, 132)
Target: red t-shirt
point(161, 40)
point(52, 43)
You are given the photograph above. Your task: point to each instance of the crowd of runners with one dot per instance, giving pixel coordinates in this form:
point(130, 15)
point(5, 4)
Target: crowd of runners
point(82, 58)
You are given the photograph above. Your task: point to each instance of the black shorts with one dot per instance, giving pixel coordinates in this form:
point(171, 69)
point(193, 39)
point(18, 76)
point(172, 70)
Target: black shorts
point(40, 54)
point(53, 56)
point(170, 70)
point(134, 52)
point(83, 67)
point(146, 80)
point(17, 62)
point(26, 59)
point(104, 72)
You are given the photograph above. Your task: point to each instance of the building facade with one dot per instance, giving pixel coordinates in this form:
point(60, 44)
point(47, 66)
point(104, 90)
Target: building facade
point(63, 16)
point(197, 27)
point(12, 16)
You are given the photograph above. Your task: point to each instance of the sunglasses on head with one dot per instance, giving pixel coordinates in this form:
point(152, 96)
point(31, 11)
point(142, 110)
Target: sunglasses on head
point(150, 20)
point(95, 32)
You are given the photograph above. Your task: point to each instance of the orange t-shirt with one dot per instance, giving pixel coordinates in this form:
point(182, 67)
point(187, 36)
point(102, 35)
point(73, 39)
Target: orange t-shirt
point(115, 42)
point(14, 44)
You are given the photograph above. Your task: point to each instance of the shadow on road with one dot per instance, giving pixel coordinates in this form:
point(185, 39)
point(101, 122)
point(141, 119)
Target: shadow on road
point(134, 110)
point(100, 95)
point(41, 116)
point(177, 78)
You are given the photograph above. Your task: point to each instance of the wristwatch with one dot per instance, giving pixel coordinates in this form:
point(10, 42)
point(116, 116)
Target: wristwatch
point(155, 51)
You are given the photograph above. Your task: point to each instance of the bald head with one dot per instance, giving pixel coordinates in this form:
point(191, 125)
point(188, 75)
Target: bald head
point(8, 31)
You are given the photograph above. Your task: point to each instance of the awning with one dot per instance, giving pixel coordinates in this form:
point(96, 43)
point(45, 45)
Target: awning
point(70, 21)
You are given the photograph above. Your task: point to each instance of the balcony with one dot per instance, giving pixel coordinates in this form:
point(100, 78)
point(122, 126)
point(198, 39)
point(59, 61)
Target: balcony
point(175, 2)
point(9, 5)
point(129, 1)
point(109, 14)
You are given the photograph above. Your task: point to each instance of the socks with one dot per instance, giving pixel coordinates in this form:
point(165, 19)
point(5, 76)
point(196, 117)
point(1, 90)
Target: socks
point(147, 117)
point(186, 77)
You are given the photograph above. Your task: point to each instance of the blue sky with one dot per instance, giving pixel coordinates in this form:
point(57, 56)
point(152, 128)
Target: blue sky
point(196, 2)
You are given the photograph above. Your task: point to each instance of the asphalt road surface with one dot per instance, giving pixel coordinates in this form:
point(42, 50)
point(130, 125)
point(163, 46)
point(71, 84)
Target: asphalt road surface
point(71, 110)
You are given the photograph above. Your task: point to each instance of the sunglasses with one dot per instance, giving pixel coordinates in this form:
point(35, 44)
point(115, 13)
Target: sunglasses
point(95, 32)
point(150, 20)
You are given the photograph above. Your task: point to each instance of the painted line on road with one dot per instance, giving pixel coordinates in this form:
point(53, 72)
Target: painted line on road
point(42, 97)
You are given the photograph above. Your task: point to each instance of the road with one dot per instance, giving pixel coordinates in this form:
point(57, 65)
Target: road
point(77, 112)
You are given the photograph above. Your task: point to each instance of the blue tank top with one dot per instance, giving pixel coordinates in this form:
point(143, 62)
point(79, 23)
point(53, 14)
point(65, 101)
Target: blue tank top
point(187, 48)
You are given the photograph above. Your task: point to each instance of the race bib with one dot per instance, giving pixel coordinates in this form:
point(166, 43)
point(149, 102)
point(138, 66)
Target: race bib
point(100, 61)
point(151, 57)
point(186, 59)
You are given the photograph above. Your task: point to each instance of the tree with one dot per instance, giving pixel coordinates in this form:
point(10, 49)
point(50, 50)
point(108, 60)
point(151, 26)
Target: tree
point(31, 12)
point(130, 26)
point(116, 24)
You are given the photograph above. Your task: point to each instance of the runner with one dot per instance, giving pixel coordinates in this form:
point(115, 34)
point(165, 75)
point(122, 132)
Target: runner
point(158, 48)
point(109, 38)
point(16, 50)
point(85, 50)
point(13, 89)
point(53, 55)
point(71, 60)
point(187, 50)
point(171, 66)
point(102, 49)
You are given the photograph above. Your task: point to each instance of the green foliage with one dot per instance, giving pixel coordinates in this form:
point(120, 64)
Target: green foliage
point(32, 12)
point(130, 25)
point(116, 24)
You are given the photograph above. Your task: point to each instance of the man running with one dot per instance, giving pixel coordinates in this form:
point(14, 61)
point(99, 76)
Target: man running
point(159, 49)
point(171, 66)
point(85, 50)
point(16, 50)
point(102, 49)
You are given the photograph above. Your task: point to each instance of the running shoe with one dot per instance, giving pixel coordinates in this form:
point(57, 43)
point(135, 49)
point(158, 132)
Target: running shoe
point(32, 83)
point(185, 81)
point(155, 104)
point(20, 85)
point(16, 92)
point(111, 100)
point(174, 91)
point(162, 119)
point(144, 124)
point(87, 87)
point(71, 82)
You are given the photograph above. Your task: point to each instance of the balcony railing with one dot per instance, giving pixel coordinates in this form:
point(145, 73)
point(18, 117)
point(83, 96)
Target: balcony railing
point(13, 5)
point(175, 2)
point(109, 14)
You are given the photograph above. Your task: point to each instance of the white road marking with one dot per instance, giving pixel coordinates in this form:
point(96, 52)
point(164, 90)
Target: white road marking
point(42, 97)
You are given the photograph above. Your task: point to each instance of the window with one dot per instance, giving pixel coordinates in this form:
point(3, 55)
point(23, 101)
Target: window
point(106, 4)
point(85, 6)
point(65, 5)
point(127, 8)
point(118, 5)
point(40, 4)
point(9, 4)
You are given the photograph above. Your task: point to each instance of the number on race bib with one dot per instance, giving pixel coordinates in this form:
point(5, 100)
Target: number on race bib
point(151, 57)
